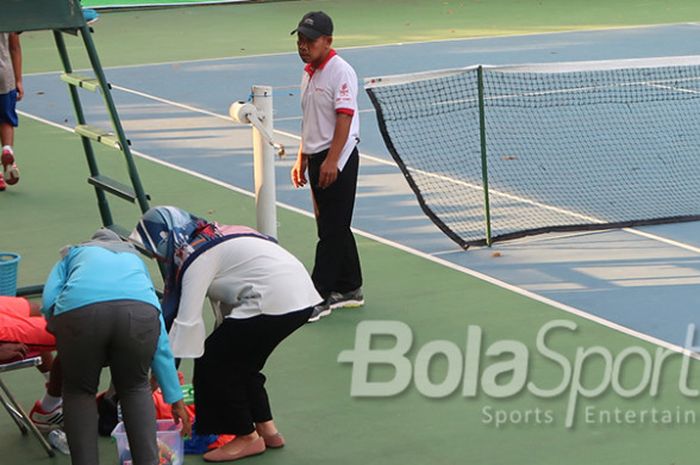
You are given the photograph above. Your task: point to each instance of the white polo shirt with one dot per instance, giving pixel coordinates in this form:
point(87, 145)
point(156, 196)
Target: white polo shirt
point(326, 91)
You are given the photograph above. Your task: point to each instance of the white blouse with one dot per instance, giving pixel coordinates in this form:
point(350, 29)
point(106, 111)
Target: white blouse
point(243, 277)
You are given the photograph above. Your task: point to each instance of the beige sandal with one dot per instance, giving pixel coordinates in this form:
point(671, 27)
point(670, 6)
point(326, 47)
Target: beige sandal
point(274, 441)
point(256, 447)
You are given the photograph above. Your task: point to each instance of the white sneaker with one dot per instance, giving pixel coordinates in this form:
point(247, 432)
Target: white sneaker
point(46, 421)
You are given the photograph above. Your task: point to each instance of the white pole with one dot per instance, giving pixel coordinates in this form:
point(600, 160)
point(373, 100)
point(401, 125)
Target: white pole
point(264, 164)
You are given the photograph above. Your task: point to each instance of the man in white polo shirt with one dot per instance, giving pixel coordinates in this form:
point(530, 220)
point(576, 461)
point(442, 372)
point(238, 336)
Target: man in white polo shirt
point(330, 134)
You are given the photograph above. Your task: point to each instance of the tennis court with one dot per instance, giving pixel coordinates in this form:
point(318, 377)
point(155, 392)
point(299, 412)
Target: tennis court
point(636, 286)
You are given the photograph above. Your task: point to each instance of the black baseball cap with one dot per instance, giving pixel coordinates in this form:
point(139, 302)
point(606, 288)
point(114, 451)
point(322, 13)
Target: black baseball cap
point(314, 25)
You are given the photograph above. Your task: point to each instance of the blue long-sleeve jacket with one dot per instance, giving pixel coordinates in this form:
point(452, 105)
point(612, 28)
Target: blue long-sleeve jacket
point(89, 275)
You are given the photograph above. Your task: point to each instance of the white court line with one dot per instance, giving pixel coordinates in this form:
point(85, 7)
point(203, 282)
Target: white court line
point(382, 161)
point(393, 44)
point(228, 118)
point(547, 237)
point(674, 88)
point(453, 266)
point(184, 106)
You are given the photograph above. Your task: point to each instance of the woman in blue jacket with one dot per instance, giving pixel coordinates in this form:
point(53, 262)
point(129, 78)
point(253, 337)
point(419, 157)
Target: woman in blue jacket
point(102, 307)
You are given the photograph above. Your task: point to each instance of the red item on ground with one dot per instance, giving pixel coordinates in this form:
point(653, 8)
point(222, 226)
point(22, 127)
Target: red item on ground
point(163, 409)
point(223, 439)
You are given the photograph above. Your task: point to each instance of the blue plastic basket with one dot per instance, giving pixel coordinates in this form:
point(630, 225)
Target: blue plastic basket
point(8, 273)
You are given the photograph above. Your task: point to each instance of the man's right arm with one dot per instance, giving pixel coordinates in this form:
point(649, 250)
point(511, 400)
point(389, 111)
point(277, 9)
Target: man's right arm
point(299, 169)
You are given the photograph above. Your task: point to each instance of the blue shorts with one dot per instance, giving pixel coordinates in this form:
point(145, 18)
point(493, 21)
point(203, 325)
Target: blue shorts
point(8, 104)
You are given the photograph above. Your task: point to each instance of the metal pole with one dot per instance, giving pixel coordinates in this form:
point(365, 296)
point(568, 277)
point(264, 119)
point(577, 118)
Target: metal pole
point(484, 162)
point(14, 405)
point(264, 165)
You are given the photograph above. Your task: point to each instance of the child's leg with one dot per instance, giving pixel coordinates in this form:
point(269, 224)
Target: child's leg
point(8, 123)
point(8, 119)
point(56, 379)
point(46, 364)
point(7, 135)
point(53, 398)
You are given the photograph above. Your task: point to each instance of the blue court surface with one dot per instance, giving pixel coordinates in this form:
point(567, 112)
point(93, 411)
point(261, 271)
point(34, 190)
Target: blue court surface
point(642, 281)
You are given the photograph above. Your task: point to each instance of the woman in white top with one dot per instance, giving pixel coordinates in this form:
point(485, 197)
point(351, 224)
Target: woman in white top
point(260, 294)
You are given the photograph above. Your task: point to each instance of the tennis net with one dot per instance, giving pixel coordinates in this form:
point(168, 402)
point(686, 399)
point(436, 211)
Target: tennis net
point(495, 153)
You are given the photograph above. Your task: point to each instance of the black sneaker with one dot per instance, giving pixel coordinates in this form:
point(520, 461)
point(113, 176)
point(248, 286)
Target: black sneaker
point(320, 311)
point(352, 299)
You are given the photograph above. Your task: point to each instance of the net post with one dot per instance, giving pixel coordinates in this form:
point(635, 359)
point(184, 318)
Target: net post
point(484, 162)
point(264, 164)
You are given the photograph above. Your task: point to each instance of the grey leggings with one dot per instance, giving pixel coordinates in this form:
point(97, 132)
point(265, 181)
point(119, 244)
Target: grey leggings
point(122, 334)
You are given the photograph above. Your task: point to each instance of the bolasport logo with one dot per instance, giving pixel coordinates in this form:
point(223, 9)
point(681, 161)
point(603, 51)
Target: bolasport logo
point(502, 370)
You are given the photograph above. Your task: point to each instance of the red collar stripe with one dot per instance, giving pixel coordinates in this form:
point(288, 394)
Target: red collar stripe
point(311, 70)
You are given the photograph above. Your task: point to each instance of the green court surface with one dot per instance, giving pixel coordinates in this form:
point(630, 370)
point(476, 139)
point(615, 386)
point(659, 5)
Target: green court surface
point(310, 391)
point(150, 36)
point(148, 3)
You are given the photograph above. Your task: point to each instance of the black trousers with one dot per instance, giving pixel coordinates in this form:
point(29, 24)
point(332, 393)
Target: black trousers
point(337, 265)
point(229, 388)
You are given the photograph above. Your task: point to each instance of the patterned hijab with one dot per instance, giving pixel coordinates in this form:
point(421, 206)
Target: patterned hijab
point(168, 233)
point(172, 235)
point(176, 238)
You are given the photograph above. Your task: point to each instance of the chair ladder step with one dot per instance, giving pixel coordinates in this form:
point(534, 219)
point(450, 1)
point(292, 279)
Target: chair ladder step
point(114, 187)
point(100, 135)
point(87, 83)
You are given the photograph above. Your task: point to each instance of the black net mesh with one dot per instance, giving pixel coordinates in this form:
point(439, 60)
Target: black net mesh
point(566, 150)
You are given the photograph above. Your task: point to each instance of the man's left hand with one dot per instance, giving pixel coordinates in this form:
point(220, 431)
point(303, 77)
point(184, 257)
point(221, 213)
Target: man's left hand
point(328, 173)
point(20, 90)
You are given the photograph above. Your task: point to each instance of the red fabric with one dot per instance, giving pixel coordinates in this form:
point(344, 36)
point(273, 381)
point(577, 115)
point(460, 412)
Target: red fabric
point(311, 70)
point(16, 325)
point(223, 439)
point(163, 410)
point(345, 111)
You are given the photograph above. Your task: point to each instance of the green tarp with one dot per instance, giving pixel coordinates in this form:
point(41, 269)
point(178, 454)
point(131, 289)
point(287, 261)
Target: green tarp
point(145, 3)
